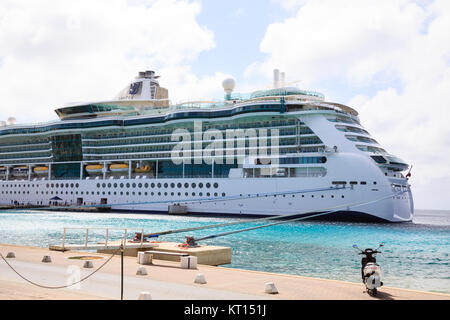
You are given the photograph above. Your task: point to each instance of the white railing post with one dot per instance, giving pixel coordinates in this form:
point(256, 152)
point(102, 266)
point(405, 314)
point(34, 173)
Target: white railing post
point(125, 238)
point(142, 237)
point(87, 236)
point(106, 237)
point(64, 238)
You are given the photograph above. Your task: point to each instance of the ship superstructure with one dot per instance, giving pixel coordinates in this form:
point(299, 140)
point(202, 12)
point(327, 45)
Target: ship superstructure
point(271, 152)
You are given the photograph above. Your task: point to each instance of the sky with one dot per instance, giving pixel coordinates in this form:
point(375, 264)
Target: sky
point(388, 59)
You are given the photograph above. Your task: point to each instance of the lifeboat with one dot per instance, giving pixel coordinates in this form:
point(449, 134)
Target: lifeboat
point(119, 167)
point(40, 170)
point(142, 169)
point(20, 171)
point(94, 168)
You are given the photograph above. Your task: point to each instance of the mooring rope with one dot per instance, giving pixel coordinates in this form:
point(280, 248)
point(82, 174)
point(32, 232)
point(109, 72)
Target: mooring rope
point(297, 219)
point(57, 287)
point(157, 234)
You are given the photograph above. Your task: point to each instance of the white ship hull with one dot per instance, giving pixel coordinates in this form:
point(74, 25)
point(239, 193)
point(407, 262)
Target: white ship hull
point(232, 196)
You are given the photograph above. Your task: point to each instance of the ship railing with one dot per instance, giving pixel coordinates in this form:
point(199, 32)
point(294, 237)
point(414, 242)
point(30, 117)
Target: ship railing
point(106, 245)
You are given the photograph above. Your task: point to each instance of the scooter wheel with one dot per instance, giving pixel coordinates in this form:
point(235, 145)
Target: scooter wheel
point(372, 292)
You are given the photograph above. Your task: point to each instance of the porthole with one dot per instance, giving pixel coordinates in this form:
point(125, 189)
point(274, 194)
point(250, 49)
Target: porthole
point(159, 193)
point(186, 194)
point(216, 185)
point(208, 185)
point(186, 185)
point(179, 185)
point(193, 194)
point(98, 185)
point(159, 185)
point(121, 185)
point(146, 185)
point(152, 185)
point(128, 185)
point(109, 185)
point(200, 185)
point(77, 185)
point(223, 194)
point(57, 185)
point(134, 185)
point(115, 185)
point(166, 185)
point(172, 185)
point(140, 185)
point(193, 185)
point(215, 194)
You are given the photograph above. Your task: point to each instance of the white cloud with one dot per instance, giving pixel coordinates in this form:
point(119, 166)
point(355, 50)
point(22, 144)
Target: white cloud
point(54, 52)
point(400, 46)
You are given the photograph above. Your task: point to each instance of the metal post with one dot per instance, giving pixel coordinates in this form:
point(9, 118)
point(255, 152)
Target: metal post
point(156, 171)
point(125, 239)
point(142, 237)
point(81, 170)
point(121, 271)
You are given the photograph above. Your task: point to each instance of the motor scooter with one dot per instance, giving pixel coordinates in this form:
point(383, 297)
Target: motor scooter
point(370, 270)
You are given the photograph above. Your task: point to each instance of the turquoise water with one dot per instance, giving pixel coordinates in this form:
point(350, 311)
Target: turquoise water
point(415, 255)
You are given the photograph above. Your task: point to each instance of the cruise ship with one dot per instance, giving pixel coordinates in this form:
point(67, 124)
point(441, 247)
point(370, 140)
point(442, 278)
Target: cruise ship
point(278, 151)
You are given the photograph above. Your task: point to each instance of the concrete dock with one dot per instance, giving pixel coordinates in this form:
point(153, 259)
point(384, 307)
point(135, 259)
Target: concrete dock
point(167, 281)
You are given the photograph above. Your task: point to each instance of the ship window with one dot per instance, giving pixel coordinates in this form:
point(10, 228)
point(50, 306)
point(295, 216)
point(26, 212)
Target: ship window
point(353, 182)
point(216, 185)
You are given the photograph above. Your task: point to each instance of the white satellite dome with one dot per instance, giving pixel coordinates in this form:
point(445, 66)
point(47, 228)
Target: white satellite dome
point(11, 120)
point(228, 85)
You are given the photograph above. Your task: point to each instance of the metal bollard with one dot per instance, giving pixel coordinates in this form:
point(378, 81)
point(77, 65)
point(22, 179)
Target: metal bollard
point(10, 255)
point(88, 264)
point(47, 259)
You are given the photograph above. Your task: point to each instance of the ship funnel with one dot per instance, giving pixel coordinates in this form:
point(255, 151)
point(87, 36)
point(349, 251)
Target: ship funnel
point(2, 123)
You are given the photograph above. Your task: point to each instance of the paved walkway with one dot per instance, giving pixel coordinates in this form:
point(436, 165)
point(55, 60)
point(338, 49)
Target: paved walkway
point(167, 281)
